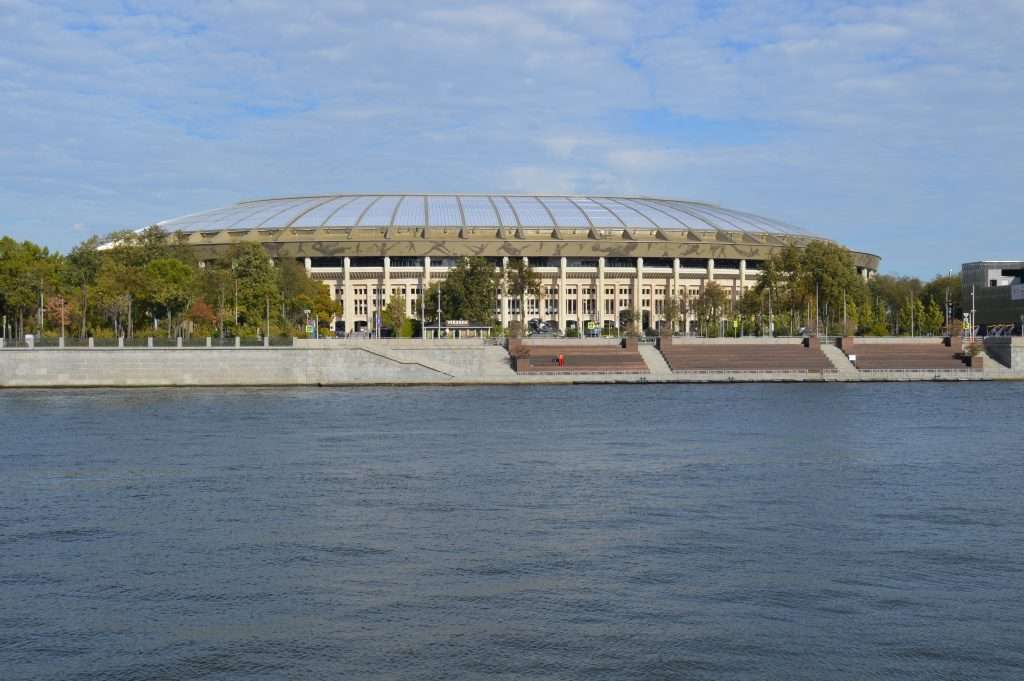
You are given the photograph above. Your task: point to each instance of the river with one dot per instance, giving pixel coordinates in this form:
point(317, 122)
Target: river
point(860, 531)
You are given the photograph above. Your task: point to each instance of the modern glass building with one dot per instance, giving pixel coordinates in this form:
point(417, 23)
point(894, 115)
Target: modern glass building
point(597, 255)
point(997, 287)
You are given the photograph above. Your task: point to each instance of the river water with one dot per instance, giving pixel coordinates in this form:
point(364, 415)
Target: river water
point(602, 532)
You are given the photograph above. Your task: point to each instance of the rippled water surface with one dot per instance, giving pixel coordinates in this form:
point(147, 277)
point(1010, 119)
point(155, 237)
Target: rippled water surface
point(645, 532)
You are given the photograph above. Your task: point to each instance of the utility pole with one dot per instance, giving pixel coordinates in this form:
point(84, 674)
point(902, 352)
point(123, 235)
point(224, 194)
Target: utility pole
point(423, 319)
point(845, 327)
point(949, 311)
point(973, 318)
point(268, 319)
point(817, 311)
point(912, 306)
point(438, 311)
point(771, 317)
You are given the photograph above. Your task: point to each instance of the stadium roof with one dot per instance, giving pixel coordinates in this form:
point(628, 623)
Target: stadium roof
point(478, 210)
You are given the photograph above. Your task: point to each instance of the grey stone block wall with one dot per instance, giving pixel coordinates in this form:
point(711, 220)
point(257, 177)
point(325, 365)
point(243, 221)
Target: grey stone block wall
point(1007, 350)
point(245, 366)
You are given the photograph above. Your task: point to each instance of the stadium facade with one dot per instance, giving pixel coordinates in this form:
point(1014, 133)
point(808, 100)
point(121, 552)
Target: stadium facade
point(596, 255)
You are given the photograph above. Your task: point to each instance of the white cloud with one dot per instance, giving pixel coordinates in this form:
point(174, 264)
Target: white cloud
point(857, 120)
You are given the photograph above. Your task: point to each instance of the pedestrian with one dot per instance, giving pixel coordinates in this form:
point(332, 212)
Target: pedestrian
point(561, 360)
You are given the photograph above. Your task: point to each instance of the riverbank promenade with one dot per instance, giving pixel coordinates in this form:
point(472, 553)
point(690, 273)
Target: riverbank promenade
point(477, 361)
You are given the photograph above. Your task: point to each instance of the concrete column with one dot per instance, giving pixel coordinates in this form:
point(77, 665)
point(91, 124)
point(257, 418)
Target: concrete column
point(562, 286)
point(209, 342)
point(580, 297)
point(60, 342)
point(350, 305)
point(503, 293)
point(238, 341)
point(149, 342)
point(424, 283)
point(600, 292)
point(308, 262)
point(711, 269)
point(638, 294)
point(386, 283)
point(120, 342)
point(178, 343)
point(524, 312)
point(92, 342)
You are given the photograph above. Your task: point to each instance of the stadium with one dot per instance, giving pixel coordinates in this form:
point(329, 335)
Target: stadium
point(596, 255)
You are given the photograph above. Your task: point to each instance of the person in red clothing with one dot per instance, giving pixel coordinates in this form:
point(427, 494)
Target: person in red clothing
point(561, 360)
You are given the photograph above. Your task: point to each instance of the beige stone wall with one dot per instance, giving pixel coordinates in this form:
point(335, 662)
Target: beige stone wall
point(569, 296)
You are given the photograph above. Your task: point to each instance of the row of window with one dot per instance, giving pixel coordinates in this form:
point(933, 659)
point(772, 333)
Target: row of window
point(402, 261)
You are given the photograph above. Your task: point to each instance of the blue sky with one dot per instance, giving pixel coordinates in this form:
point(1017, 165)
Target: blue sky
point(892, 127)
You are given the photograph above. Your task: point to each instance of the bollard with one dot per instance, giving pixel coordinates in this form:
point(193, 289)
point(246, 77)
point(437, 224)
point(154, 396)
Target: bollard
point(120, 342)
point(179, 342)
point(3, 341)
point(92, 342)
point(30, 341)
point(60, 343)
point(209, 342)
point(149, 342)
point(266, 341)
point(238, 341)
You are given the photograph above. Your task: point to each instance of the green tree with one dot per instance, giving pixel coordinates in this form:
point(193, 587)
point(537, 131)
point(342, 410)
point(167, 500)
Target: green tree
point(393, 317)
point(629, 322)
point(257, 282)
point(709, 307)
point(522, 281)
point(673, 311)
point(469, 292)
point(169, 289)
point(912, 317)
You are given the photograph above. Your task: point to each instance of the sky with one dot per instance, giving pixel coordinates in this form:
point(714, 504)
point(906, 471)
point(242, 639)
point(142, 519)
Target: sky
point(895, 128)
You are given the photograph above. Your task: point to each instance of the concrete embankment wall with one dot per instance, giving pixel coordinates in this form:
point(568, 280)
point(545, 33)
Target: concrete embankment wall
point(1007, 350)
point(249, 366)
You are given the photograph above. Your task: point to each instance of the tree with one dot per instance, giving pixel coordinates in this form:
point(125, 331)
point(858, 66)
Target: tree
point(300, 293)
point(629, 322)
point(912, 317)
point(709, 307)
point(469, 292)
point(258, 287)
point(169, 283)
point(393, 316)
point(673, 311)
point(522, 281)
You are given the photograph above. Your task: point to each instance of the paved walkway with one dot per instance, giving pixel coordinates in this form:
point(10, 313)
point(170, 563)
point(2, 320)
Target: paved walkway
point(655, 361)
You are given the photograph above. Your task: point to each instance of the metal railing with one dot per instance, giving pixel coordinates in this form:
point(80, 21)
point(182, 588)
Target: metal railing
point(141, 343)
point(821, 372)
point(582, 372)
point(965, 370)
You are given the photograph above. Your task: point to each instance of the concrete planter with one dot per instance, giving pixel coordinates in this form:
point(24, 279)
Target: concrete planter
point(521, 363)
point(977, 362)
point(846, 344)
point(630, 343)
point(664, 341)
point(812, 343)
